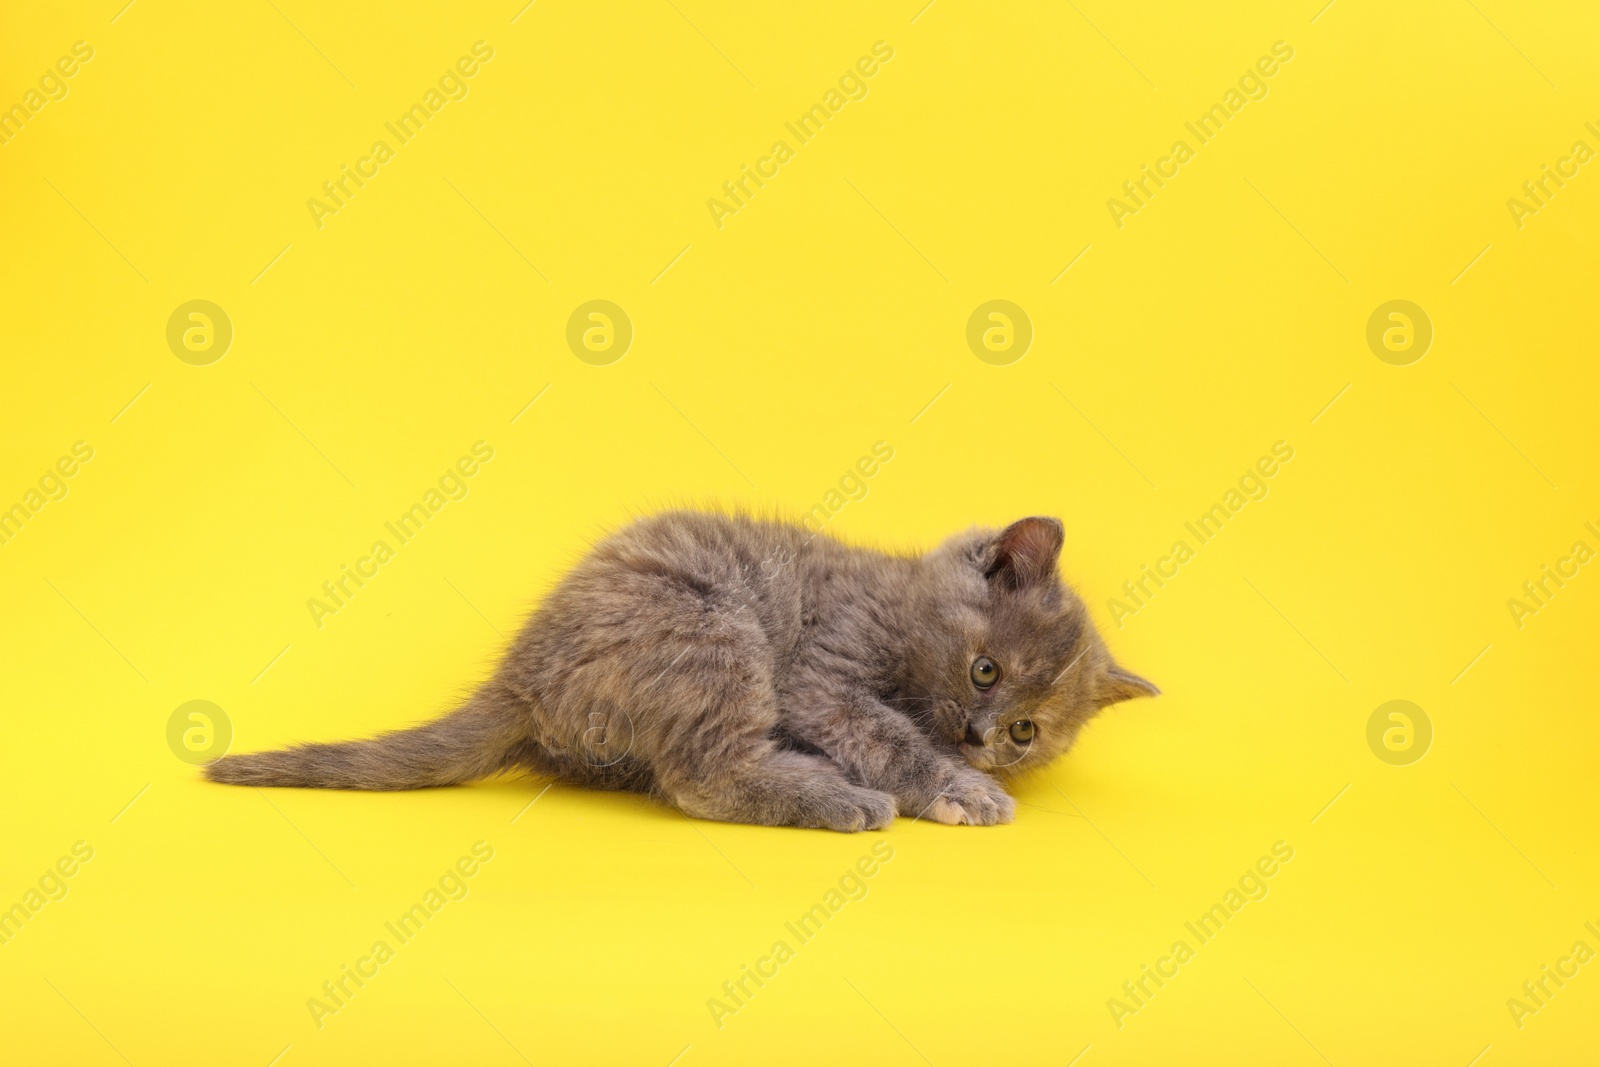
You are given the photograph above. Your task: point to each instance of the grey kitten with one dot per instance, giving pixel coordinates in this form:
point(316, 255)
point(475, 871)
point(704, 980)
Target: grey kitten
point(748, 671)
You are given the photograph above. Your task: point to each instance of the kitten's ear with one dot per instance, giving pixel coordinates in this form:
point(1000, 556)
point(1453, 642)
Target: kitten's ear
point(1116, 685)
point(1025, 553)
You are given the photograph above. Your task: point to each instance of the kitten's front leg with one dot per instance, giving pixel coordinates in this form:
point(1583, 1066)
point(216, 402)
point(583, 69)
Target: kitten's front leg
point(882, 749)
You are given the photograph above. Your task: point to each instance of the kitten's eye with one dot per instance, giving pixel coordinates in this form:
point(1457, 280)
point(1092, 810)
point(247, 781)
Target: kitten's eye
point(1022, 731)
point(985, 672)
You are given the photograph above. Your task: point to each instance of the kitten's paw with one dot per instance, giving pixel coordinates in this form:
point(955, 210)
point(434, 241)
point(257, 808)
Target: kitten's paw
point(975, 800)
point(852, 809)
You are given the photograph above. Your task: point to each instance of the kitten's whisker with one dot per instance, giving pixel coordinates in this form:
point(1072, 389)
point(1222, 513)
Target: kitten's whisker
point(1041, 807)
point(931, 803)
point(1069, 666)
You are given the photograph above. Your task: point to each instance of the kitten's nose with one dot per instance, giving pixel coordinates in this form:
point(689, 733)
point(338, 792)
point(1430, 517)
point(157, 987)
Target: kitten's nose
point(974, 738)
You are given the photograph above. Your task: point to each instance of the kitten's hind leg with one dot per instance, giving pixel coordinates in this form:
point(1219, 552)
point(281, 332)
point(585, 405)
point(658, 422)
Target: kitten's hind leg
point(689, 676)
point(882, 749)
point(714, 754)
point(780, 788)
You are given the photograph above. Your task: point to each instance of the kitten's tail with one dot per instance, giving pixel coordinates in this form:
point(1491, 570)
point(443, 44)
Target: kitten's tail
point(475, 741)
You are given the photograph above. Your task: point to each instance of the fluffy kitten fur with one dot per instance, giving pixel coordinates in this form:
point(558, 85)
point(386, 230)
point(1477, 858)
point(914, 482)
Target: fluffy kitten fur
point(748, 671)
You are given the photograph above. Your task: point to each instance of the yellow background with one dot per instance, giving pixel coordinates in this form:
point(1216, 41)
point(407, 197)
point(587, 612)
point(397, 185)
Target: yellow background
point(768, 356)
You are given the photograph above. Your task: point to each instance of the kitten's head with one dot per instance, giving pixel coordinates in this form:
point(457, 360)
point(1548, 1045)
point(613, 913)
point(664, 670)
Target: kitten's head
point(1008, 666)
